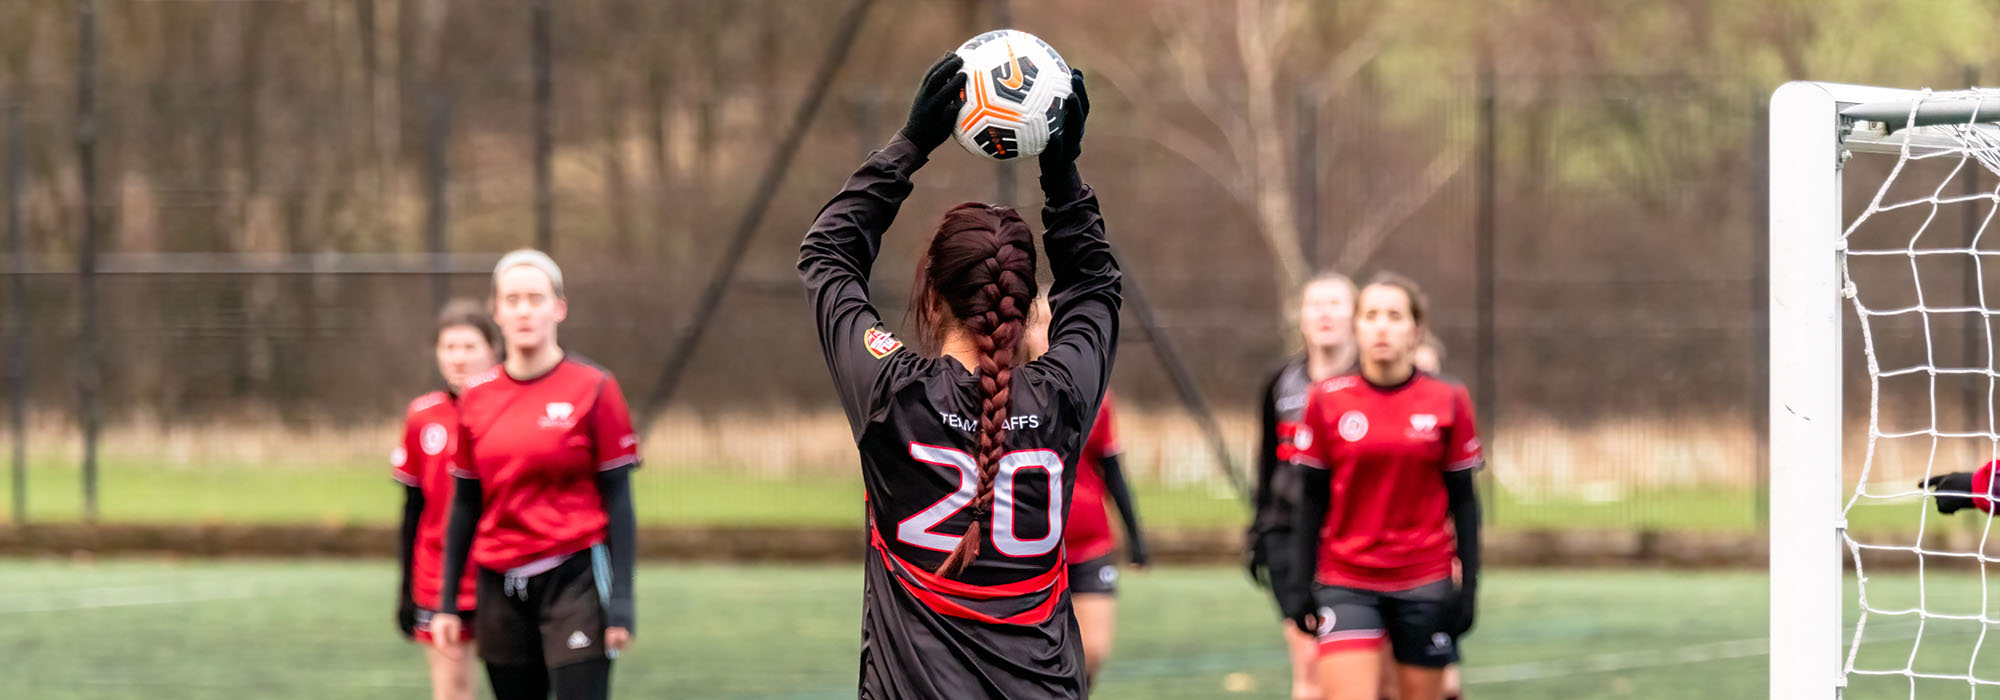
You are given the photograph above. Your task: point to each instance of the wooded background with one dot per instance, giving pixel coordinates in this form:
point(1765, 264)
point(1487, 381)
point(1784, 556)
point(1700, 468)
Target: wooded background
point(1238, 147)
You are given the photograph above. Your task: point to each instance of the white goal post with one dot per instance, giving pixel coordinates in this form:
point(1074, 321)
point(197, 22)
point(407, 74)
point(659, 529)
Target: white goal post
point(1814, 129)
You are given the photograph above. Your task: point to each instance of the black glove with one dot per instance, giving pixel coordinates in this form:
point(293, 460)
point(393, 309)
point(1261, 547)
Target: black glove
point(1258, 565)
point(1067, 143)
point(406, 617)
point(935, 109)
point(1140, 555)
point(1960, 482)
point(1304, 615)
point(1464, 608)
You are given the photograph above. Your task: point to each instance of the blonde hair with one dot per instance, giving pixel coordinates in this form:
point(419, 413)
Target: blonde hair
point(1294, 308)
point(529, 257)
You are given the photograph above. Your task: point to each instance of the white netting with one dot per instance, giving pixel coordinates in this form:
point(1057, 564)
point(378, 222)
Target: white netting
point(1913, 268)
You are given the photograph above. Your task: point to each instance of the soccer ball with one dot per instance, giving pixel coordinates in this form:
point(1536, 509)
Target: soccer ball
point(1015, 88)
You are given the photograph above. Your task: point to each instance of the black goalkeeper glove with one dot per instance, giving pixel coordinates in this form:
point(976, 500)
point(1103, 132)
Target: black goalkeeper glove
point(1304, 615)
point(1059, 157)
point(1464, 608)
point(406, 617)
point(935, 108)
point(1947, 504)
point(1256, 563)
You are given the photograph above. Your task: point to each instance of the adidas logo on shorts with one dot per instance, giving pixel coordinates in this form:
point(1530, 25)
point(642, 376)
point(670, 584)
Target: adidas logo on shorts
point(577, 640)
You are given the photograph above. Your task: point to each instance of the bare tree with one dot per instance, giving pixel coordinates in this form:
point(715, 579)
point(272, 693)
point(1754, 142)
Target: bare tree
point(1237, 66)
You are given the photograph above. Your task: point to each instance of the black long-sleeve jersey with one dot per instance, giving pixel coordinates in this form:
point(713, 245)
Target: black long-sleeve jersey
point(1003, 628)
point(1277, 495)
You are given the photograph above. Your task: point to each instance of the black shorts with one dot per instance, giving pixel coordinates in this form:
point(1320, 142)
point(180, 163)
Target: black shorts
point(1279, 557)
point(552, 619)
point(1098, 575)
point(1413, 621)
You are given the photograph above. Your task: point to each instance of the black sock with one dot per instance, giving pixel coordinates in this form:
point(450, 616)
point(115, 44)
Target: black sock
point(585, 680)
point(524, 682)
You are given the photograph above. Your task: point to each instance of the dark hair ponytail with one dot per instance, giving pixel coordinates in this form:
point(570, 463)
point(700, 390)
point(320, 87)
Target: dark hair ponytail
point(472, 314)
point(981, 269)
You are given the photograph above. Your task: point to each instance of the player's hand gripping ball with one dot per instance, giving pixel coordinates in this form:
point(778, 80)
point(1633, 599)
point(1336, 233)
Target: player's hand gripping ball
point(1015, 89)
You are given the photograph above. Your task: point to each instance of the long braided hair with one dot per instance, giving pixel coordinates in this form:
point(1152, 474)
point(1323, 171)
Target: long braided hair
point(980, 269)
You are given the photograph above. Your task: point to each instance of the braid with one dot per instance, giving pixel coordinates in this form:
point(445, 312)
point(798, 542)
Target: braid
point(997, 321)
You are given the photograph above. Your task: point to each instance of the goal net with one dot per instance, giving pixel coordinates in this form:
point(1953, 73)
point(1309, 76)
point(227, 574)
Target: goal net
point(1885, 373)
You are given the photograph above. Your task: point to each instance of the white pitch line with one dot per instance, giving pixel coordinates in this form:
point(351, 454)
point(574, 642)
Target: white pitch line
point(1618, 661)
point(1648, 658)
point(118, 597)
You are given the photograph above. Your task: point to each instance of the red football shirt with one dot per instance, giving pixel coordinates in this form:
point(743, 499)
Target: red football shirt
point(1388, 523)
point(423, 460)
point(1089, 531)
point(536, 447)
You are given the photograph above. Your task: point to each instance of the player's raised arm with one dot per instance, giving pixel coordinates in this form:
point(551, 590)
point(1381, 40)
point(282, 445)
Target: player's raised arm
point(839, 250)
point(1956, 491)
point(1085, 294)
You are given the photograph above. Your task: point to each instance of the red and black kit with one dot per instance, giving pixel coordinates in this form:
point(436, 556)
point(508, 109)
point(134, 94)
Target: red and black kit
point(1001, 628)
point(1093, 558)
point(422, 463)
point(1386, 511)
point(544, 508)
point(1269, 541)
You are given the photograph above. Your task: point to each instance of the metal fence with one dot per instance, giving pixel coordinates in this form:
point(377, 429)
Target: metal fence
point(1593, 245)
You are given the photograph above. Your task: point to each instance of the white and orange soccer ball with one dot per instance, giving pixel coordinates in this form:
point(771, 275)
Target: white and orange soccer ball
point(1015, 89)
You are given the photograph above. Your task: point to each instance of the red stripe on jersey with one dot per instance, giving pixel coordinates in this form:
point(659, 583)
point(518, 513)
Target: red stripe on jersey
point(1052, 584)
point(1088, 534)
point(960, 588)
point(1388, 522)
point(536, 447)
point(1287, 431)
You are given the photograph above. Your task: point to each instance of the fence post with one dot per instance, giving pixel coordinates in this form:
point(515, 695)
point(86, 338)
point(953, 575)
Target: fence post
point(1305, 151)
point(1485, 230)
point(440, 179)
point(545, 235)
point(1760, 303)
point(17, 340)
point(88, 377)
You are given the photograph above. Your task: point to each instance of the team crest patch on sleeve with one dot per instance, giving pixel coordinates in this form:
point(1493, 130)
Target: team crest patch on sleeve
point(433, 438)
point(880, 343)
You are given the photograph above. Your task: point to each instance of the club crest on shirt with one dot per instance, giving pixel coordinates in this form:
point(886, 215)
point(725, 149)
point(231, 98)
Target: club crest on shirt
point(1423, 426)
point(1353, 426)
point(557, 415)
point(433, 438)
point(880, 343)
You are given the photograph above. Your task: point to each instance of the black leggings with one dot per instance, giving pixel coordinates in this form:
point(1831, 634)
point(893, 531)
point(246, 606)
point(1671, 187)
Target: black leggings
point(587, 680)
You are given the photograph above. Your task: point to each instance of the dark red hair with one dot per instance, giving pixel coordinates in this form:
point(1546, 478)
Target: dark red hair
point(980, 268)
